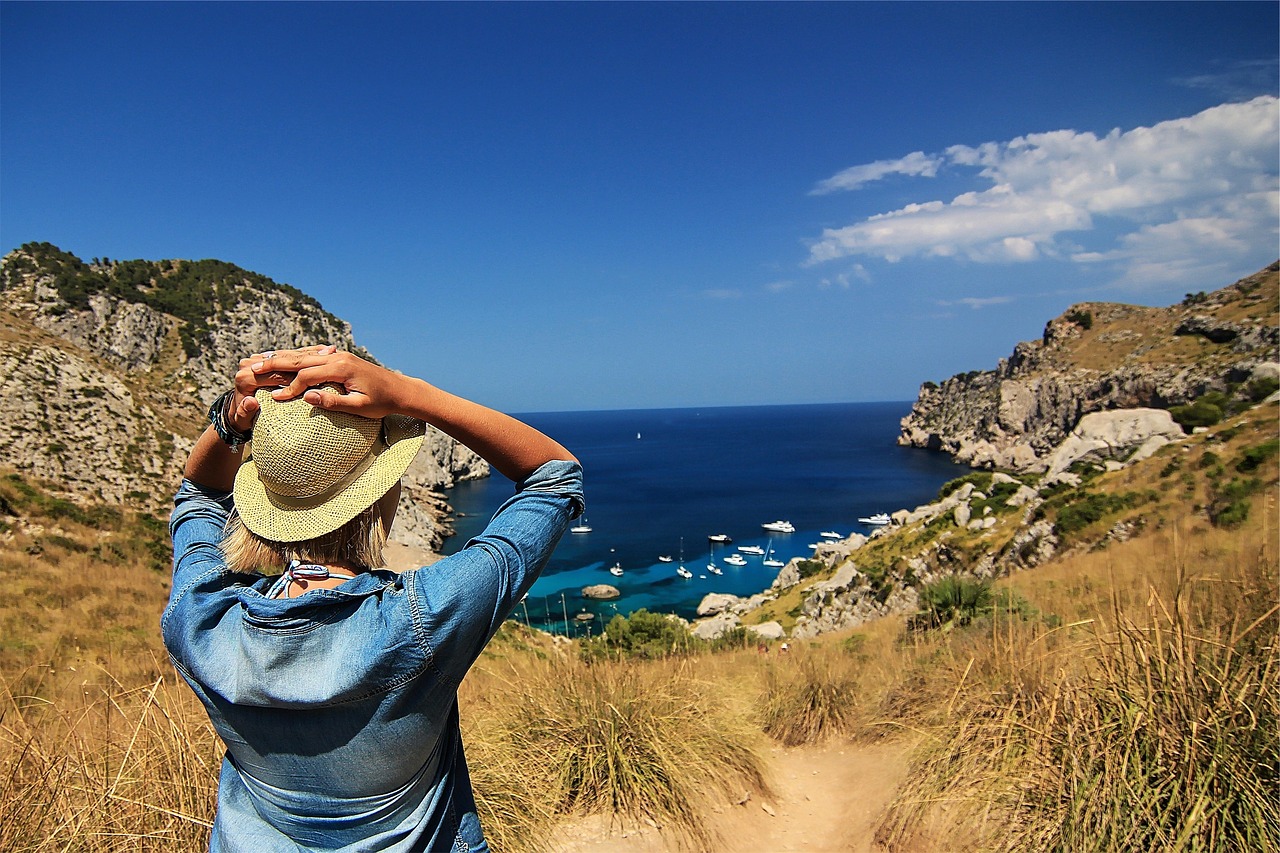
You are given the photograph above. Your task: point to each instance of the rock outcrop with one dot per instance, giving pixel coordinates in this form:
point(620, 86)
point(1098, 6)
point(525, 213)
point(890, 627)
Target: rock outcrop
point(1098, 357)
point(601, 592)
point(102, 391)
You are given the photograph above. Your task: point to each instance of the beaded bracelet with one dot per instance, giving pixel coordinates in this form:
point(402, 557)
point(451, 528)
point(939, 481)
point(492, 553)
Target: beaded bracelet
point(232, 437)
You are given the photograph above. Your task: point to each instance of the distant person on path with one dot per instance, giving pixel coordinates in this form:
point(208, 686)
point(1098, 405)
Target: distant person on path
point(332, 681)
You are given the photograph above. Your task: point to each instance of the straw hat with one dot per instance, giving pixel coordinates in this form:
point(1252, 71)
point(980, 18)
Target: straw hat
point(313, 470)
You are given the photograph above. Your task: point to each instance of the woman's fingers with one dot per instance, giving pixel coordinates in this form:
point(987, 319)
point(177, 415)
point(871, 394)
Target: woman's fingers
point(245, 413)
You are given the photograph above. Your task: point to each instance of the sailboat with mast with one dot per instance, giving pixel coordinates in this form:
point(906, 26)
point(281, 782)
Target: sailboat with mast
point(771, 561)
point(682, 571)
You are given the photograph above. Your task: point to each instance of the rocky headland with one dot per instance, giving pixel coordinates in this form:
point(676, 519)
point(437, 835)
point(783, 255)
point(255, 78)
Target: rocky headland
point(1100, 356)
point(107, 368)
point(1107, 387)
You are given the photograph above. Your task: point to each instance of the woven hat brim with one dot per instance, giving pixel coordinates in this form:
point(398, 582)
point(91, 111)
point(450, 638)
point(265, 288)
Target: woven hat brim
point(298, 520)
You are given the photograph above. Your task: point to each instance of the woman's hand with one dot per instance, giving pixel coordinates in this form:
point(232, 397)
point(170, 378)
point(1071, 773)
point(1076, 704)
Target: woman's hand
point(243, 410)
point(368, 390)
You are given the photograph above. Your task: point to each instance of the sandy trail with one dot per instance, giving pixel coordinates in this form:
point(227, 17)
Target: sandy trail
point(827, 799)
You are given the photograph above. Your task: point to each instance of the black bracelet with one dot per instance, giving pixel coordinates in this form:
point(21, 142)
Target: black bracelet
point(232, 437)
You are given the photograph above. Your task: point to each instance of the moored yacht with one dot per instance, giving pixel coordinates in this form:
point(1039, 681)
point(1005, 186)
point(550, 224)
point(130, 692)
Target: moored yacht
point(779, 526)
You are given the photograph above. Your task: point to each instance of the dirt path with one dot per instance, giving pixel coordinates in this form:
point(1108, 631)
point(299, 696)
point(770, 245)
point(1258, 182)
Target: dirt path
point(828, 800)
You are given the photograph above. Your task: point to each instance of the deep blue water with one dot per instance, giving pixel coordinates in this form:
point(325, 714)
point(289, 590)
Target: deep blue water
point(694, 472)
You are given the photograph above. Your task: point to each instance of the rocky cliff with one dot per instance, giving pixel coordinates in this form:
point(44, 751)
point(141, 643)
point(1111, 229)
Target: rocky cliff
point(1100, 356)
point(107, 368)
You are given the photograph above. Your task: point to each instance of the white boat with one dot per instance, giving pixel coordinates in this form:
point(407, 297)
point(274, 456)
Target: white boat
point(751, 549)
point(711, 562)
point(780, 526)
point(722, 538)
point(666, 558)
point(735, 560)
point(581, 528)
point(769, 560)
point(830, 534)
point(616, 570)
point(684, 573)
point(880, 518)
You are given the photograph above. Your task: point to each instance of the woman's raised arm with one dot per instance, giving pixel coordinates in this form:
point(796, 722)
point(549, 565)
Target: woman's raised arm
point(514, 448)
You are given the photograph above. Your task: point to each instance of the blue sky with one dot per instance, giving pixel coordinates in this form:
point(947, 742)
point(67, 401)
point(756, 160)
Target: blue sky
point(584, 206)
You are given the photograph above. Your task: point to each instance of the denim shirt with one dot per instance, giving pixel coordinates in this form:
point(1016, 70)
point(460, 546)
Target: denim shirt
point(339, 707)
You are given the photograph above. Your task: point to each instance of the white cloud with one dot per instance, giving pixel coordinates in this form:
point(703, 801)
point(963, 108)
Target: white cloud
point(1202, 186)
point(915, 163)
point(845, 279)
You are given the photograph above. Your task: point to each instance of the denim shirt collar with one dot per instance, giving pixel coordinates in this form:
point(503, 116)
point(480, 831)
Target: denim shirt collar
point(255, 602)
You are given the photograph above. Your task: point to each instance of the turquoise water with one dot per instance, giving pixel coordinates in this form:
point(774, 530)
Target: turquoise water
point(656, 476)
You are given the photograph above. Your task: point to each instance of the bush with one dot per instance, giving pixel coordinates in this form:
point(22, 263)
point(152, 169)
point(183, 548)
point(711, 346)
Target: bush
point(1260, 389)
point(1230, 505)
point(1089, 507)
point(981, 481)
point(1083, 319)
point(643, 635)
point(810, 696)
point(1253, 458)
point(953, 601)
point(632, 739)
point(1197, 414)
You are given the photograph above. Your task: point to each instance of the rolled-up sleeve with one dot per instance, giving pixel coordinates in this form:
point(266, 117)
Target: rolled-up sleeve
point(465, 597)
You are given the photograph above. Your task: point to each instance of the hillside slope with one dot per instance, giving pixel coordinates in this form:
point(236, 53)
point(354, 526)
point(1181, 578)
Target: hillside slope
point(107, 368)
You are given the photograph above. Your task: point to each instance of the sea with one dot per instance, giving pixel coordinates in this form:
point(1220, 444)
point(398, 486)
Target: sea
point(659, 482)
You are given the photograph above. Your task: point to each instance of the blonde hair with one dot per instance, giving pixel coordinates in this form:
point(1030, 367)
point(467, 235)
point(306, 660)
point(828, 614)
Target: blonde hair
point(358, 544)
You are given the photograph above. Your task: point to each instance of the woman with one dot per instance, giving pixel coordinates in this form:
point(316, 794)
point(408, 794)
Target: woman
point(334, 685)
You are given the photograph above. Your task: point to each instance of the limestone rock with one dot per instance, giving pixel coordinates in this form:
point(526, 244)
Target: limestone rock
point(716, 602)
point(716, 626)
point(1115, 435)
point(768, 631)
point(601, 592)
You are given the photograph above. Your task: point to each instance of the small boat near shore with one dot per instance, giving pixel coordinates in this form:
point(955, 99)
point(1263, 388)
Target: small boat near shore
point(684, 573)
point(751, 549)
point(581, 528)
point(616, 570)
point(830, 534)
point(879, 519)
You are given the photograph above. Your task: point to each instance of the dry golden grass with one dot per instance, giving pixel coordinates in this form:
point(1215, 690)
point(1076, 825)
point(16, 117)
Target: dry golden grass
point(103, 769)
point(1147, 722)
point(651, 740)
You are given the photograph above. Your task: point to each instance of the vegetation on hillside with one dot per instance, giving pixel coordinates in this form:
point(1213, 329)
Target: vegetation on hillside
point(196, 292)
